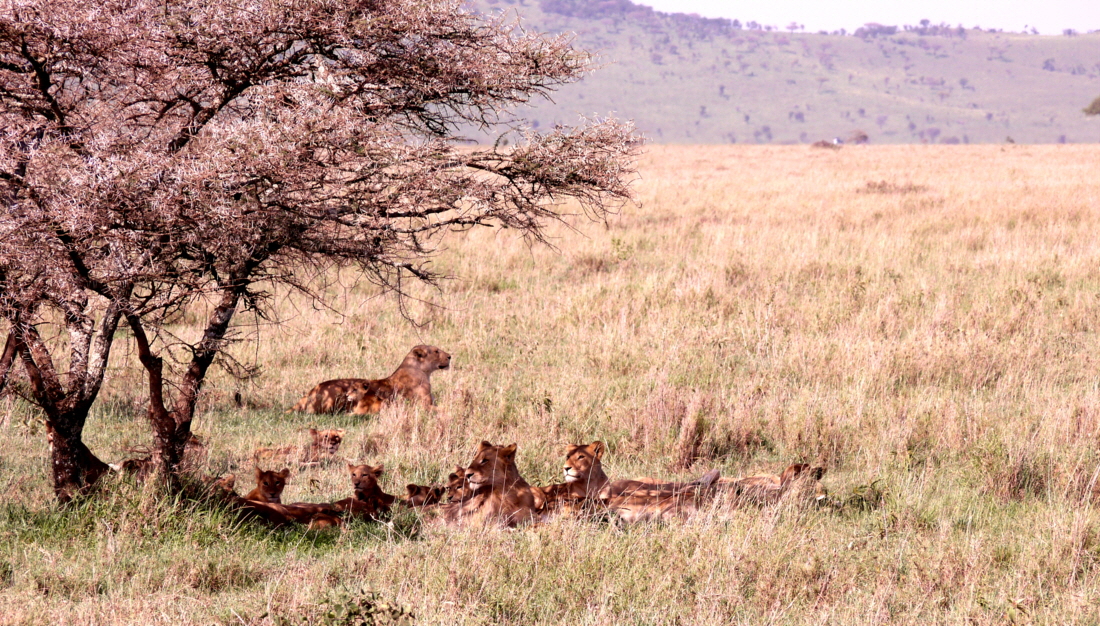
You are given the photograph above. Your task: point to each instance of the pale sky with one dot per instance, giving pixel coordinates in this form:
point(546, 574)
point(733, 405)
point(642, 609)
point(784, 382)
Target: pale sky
point(1049, 16)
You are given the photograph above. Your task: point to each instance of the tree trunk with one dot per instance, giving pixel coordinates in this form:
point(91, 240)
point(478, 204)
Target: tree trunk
point(11, 346)
point(172, 429)
point(73, 467)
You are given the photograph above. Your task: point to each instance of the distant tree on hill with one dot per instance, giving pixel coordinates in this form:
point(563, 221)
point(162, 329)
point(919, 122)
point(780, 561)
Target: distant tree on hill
point(164, 154)
point(1093, 108)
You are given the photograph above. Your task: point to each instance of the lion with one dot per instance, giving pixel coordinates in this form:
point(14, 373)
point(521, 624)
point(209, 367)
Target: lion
point(369, 499)
point(194, 454)
point(587, 488)
point(224, 487)
point(423, 495)
point(323, 446)
point(314, 516)
point(498, 493)
point(769, 488)
point(456, 489)
point(584, 479)
point(269, 486)
point(411, 381)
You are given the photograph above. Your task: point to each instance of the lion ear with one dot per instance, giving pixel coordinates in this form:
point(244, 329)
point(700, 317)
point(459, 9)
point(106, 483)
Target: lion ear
point(313, 432)
point(259, 472)
point(377, 471)
point(230, 481)
point(411, 488)
point(508, 451)
point(341, 432)
point(597, 448)
point(420, 352)
point(485, 445)
point(284, 472)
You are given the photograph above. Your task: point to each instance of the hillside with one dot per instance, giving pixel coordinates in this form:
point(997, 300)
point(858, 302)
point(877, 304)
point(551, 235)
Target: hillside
point(686, 79)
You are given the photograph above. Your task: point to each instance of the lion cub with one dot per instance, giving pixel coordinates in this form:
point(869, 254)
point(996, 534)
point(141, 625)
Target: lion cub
point(411, 381)
point(269, 486)
point(422, 495)
point(247, 509)
point(369, 500)
point(323, 446)
point(456, 489)
point(498, 493)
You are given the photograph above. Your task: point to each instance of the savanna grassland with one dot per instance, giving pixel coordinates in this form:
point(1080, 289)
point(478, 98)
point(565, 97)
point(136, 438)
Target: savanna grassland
point(921, 320)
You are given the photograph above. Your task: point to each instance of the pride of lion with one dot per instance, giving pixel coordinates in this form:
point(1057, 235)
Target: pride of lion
point(489, 491)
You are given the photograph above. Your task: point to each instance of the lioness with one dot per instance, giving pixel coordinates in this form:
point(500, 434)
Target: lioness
point(584, 479)
point(323, 446)
point(498, 494)
point(411, 381)
point(587, 486)
point(269, 486)
point(769, 488)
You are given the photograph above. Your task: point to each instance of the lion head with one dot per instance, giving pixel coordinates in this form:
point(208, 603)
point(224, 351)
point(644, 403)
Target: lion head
point(364, 478)
point(456, 487)
point(427, 359)
point(580, 461)
point(326, 441)
point(270, 484)
point(493, 466)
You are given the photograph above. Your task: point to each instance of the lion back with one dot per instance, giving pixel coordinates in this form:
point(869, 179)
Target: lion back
point(330, 396)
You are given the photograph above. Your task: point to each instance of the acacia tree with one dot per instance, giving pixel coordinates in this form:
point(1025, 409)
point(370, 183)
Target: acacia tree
point(157, 153)
point(1094, 107)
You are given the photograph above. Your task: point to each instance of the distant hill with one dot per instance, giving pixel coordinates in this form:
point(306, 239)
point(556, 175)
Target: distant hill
point(687, 79)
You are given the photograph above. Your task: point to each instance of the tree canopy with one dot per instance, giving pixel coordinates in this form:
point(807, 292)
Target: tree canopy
point(154, 153)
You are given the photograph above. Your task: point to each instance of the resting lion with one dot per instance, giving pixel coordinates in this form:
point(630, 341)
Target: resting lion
point(411, 381)
point(369, 500)
point(584, 479)
point(587, 488)
point(798, 478)
point(498, 494)
point(322, 447)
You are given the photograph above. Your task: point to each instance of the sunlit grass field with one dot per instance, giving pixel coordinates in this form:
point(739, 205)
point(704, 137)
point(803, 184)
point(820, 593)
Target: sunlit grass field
point(922, 321)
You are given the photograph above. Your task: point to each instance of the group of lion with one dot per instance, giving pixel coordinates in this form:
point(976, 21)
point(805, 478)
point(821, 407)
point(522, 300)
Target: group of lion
point(490, 491)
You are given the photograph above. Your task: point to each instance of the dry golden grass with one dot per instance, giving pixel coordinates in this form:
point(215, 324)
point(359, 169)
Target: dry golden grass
point(920, 318)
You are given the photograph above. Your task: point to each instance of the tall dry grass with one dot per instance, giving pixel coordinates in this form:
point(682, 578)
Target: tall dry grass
point(921, 320)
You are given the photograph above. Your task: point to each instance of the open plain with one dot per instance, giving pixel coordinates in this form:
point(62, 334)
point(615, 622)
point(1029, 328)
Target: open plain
point(921, 320)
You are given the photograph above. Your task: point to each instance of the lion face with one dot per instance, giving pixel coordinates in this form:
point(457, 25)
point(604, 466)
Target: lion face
point(456, 488)
point(493, 466)
point(364, 478)
point(429, 358)
point(579, 461)
point(326, 441)
point(271, 484)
